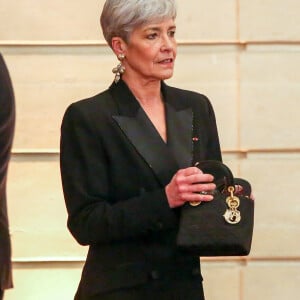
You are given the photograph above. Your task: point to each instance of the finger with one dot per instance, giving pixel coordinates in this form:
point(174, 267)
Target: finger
point(197, 178)
point(190, 171)
point(198, 197)
point(196, 188)
point(202, 188)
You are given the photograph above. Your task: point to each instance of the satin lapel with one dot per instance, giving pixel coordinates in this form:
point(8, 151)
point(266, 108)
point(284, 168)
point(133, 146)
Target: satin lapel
point(141, 133)
point(143, 136)
point(180, 141)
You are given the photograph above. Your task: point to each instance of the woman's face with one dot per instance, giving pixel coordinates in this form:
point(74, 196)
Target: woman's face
point(151, 51)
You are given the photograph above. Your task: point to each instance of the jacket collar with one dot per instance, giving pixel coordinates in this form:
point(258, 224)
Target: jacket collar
point(163, 158)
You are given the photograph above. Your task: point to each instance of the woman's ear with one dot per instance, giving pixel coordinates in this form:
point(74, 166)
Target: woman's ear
point(118, 46)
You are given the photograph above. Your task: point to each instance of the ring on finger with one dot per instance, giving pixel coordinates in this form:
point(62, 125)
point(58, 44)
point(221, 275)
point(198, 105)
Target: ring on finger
point(203, 193)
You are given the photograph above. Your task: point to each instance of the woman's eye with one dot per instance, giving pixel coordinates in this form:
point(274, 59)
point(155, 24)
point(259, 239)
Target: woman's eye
point(172, 33)
point(152, 36)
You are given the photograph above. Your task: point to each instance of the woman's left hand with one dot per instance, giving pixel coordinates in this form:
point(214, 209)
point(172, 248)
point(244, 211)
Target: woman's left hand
point(187, 185)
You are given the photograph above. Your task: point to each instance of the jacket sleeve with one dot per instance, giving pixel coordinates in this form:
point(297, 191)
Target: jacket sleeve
point(7, 119)
point(93, 216)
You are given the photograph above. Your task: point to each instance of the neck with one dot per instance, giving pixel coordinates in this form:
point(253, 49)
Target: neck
point(146, 92)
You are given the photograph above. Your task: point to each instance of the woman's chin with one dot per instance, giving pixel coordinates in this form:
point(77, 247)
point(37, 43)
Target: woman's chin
point(166, 75)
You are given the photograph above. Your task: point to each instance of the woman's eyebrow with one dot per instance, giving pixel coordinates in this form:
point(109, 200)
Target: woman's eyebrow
point(157, 28)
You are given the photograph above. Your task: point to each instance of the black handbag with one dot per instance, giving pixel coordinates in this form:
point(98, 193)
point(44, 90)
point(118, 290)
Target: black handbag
point(223, 226)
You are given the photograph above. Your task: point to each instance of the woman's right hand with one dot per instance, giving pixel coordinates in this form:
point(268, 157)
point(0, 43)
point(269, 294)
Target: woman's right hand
point(187, 185)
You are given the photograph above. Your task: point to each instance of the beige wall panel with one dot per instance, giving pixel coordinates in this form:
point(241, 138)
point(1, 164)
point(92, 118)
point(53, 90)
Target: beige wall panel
point(275, 179)
point(37, 211)
point(206, 20)
point(75, 20)
point(44, 281)
point(269, 20)
point(50, 20)
point(272, 281)
point(270, 94)
point(213, 72)
point(46, 81)
point(221, 280)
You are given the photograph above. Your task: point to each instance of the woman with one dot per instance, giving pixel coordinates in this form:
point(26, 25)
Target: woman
point(126, 157)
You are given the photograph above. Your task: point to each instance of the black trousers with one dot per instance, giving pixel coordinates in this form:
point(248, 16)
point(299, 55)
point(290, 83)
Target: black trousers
point(190, 289)
point(1, 294)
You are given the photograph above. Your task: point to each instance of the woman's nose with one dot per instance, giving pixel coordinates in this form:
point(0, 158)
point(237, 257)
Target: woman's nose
point(167, 44)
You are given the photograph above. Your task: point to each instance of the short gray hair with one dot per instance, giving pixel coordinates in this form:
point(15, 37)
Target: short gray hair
point(121, 17)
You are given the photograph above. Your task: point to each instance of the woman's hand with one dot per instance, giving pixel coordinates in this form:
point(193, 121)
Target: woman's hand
point(187, 185)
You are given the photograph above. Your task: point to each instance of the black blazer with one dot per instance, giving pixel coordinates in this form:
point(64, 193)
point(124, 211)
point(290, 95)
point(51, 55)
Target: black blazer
point(7, 122)
point(114, 168)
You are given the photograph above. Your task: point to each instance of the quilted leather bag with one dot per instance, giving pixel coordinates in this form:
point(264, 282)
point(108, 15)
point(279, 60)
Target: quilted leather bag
point(223, 226)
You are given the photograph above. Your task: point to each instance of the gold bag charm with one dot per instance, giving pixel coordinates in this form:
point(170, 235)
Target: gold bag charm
point(232, 215)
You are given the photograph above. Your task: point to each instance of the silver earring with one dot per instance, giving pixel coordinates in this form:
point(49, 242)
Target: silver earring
point(119, 69)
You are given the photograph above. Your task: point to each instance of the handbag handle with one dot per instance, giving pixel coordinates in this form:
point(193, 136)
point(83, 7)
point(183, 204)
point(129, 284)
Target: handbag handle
point(222, 174)
point(223, 177)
